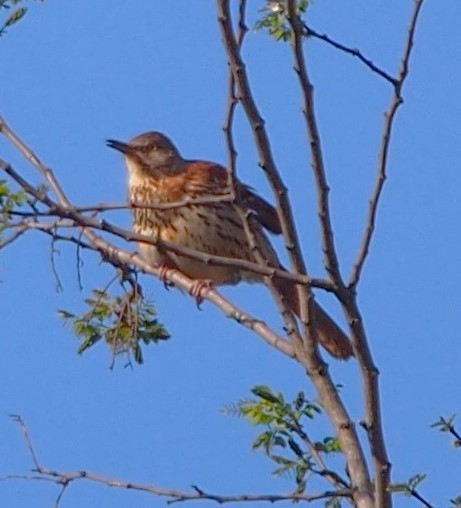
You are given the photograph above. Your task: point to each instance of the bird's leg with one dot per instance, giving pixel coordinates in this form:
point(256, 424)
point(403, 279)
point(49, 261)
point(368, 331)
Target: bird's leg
point(197, 287)
point(164, 268)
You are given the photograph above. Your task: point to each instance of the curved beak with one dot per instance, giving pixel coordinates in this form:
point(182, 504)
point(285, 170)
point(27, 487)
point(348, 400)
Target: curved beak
point(120, 146)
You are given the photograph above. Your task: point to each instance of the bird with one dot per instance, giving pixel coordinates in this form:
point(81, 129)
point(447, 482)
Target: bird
point(159, 175)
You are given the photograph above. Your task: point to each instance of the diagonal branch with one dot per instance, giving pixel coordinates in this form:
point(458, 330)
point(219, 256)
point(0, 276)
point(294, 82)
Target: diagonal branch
point(322, 187)
point(232, 102)
point(381, 174)
point(120, 257)
point(267, 163)
point(307, 356)
point(310, 32)
point(79, 221)
point(373, 419)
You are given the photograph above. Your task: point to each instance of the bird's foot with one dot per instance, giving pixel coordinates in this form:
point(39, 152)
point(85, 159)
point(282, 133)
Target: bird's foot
point(196, 290)
point(164, 268)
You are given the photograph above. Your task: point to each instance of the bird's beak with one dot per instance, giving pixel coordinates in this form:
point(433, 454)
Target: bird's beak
point(120, 146)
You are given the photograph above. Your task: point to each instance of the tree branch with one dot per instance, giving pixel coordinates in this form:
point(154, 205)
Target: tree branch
point(267, 163)
point(370, 374)
point(322, 187)
point(310, 32)
point(118, 256)
point(357, 466)
point(381, 174)
point(65, 478)
point(232, 101)
point(79, 221)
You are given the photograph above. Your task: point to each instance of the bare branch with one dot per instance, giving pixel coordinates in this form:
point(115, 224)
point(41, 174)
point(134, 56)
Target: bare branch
point(65, 478)
point(381, 174)
point(357, 466)
point(80, 221)
point(373, 419)
point(20, 230)
point(322, 187)
point(310, 32)
point(288, 317)
point(25, 434)
point(117, 256)
point(420, 498)
point(267, 162)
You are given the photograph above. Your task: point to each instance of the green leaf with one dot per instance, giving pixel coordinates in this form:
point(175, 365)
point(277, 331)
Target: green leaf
point(264, 392)
point(262, 440)
point(15, 17)
point(295, 447)
point(64, 314)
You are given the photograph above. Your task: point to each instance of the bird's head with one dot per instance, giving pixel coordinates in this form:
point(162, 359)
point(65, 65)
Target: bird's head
point(151, 153)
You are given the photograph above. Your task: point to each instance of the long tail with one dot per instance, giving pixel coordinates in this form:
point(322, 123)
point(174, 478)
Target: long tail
point(330, 335)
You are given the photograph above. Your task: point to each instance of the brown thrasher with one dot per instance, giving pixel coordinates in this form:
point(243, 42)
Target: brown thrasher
point(159, 175)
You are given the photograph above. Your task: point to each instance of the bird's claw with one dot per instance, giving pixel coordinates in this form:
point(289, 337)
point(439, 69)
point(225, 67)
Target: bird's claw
point(196, 290)
point(163, 275)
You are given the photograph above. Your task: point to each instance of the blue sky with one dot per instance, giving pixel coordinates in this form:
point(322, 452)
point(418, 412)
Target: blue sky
point(77, 73)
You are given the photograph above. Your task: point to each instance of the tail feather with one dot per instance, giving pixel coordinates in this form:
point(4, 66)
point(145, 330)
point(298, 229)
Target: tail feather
point(329, 334)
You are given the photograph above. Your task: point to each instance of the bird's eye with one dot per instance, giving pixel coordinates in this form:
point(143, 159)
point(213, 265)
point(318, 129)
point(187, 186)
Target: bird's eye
point(154, 148)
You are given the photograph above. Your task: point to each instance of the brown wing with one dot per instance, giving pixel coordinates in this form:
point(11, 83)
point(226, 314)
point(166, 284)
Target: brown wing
point(212, 178)
point(207, 179)
point(264, 211)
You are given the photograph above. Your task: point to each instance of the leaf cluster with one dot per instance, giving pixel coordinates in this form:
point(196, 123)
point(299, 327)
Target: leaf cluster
point(123, 321)
point(447, 425)
point(409, 487)
point(284, 440)
point(274, 19)
point(9, 200)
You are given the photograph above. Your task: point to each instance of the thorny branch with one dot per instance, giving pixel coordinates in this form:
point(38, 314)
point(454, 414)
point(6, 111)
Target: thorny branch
point(308, 354)
point(267, 162)
point(65, 478)
point(322, 187)
point(120, 257)
point(381, 174)
point(310, 32)
point(62, 208)
point(75, 220)
point(347, 435)
point(373, 423)
point(373, 419)
point(289, 320)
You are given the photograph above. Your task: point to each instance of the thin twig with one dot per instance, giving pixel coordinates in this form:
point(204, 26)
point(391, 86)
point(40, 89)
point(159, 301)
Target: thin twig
point(222, 198)
point(331, 476)
point(20, 230)
point(381, 174)
point(25, 434)
point(54, 270)
point(420, 498)
point(65, 478)
point(310, 32)
point(263, 146)
point(322, 187)
point(373, 419)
